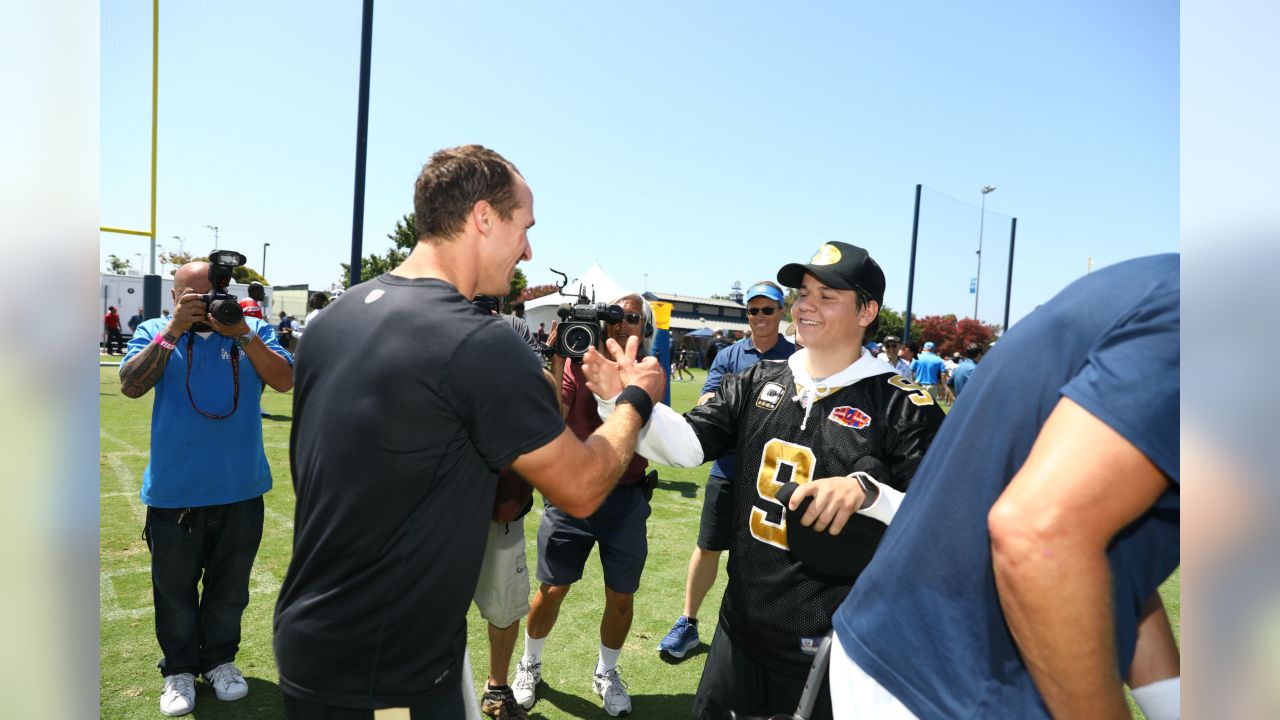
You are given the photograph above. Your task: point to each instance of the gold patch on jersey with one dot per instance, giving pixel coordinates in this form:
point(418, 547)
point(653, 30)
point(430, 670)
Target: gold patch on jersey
point(826, 255)
point(770, 395)
point(918, 394)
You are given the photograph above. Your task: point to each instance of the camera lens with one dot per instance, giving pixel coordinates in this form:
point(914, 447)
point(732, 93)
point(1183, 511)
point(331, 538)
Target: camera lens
point(578, 339)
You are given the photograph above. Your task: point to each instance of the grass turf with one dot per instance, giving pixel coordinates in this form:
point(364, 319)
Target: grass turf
point(130, 684)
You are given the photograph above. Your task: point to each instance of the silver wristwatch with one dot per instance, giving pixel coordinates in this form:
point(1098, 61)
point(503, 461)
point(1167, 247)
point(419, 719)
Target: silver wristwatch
point(244, 340)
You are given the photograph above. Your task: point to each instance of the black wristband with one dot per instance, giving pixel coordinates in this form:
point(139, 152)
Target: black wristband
point(637, 398)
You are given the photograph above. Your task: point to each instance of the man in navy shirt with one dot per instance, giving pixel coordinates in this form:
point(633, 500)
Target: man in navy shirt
point(765, 304)
point(960, 375)
point(1020, 577)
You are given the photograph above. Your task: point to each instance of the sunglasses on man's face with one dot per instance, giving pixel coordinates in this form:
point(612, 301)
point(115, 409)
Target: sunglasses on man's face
point(756, 311)
point(631, 318)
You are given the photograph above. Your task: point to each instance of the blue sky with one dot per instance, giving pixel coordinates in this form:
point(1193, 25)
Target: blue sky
point(697, 143)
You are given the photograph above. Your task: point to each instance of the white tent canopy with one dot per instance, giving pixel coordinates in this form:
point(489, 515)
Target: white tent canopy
point(593, 280)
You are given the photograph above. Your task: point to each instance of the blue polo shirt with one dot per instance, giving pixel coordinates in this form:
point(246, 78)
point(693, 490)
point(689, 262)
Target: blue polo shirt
point(195, 460)
point(924, 618)
point(734, 359)
point(961, 374)
point(927, 368)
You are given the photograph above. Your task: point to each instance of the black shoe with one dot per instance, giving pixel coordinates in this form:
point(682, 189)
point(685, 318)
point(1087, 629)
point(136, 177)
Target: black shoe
point(500, 703)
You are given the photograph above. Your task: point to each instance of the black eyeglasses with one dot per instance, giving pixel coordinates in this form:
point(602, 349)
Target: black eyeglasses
point(766, 310)
point(631, 318)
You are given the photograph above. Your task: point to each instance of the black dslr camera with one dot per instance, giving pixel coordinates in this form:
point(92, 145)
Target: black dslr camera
point(223, 306)
point(580, 322)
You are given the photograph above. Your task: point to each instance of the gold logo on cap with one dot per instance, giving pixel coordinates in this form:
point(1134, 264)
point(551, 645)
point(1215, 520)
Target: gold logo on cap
point(826, 255)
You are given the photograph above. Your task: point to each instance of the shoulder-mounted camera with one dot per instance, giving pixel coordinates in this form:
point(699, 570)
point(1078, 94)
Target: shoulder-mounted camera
point(581, 322)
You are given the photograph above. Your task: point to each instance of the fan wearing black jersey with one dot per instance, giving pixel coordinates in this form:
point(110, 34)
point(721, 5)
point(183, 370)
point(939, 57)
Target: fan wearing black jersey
point(806, 420)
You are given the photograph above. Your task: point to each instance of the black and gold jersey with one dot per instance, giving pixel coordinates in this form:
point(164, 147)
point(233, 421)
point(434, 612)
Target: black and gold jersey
point(785, 428)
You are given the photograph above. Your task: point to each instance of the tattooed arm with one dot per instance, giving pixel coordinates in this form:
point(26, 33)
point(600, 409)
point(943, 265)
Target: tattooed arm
point(143, 370)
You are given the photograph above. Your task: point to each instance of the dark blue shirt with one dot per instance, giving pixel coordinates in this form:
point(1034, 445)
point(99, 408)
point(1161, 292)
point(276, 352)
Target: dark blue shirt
point(924, 618)
point(961, 374)
point(734, 359)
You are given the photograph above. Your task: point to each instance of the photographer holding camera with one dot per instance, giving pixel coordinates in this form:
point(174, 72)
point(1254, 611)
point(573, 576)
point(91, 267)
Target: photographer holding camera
point(207, 473)
point(618, 525)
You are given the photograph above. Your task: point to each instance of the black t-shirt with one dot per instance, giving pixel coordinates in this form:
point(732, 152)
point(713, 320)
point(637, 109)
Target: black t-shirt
point(407, 401)
point(775, 608)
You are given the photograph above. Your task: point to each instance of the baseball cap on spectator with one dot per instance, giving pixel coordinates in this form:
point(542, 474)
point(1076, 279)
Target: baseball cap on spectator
point(841, 266)
point(765, 290)
point(891, 340)
point(928, 345)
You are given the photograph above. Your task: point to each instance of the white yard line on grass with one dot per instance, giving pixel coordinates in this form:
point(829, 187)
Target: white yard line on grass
point(261, 582)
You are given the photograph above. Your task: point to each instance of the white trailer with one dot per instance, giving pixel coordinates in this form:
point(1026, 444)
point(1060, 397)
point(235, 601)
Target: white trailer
point(125, 293)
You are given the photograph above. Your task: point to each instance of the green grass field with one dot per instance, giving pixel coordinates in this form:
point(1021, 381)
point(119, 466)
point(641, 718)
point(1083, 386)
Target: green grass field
point(130, 683)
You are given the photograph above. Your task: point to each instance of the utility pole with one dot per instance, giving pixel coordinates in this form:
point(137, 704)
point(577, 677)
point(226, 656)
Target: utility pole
point(215, 230)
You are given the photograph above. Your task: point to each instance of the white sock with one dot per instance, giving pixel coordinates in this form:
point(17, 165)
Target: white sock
point(1161, 700)
point(608, 659)
point(533, 648)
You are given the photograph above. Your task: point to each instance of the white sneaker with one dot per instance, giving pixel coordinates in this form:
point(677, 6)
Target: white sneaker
point(179, 696)
point(227, 681)
point(609, 686)
point(528, 675)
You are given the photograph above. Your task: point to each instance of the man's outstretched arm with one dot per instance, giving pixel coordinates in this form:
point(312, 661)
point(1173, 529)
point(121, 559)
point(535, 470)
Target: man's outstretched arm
point(1082, 483)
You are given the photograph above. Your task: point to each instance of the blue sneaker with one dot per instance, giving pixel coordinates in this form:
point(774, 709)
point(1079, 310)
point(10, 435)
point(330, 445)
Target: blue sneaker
point(682, 638)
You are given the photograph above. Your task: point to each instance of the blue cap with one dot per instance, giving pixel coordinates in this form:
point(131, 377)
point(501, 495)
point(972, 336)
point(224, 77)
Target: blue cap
point(928, 346)
point(763, 290)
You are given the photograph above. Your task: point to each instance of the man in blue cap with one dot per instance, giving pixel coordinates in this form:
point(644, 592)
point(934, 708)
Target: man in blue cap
point(928, 369)
point(765, 305)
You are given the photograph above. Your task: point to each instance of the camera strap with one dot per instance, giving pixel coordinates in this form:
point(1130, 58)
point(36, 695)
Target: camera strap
point(235, 379)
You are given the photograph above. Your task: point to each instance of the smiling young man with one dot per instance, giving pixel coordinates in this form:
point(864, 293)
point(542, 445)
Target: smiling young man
point(765, 304)
point(809, 420)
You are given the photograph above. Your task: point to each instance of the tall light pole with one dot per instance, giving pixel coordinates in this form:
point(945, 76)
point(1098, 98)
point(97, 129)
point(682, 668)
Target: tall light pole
point(182, 244)
point(263, 271)
point(215, 230)
point(982, 216)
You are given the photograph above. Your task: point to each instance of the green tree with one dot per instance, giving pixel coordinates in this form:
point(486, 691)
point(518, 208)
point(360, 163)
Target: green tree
point(518, 283)
point(891, 323)
point(789, 300)
point(403, 238)
point(176, 259)
point(117, 264)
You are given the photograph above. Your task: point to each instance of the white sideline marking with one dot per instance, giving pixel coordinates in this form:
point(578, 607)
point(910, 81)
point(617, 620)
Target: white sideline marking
point(261, 582)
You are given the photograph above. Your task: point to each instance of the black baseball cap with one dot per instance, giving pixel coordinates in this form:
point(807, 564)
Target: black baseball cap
point(841, 266)
point(843, 556)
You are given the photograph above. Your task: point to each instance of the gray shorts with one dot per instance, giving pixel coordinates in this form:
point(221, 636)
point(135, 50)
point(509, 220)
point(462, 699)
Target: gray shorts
point(565, 542)
point(502, 592)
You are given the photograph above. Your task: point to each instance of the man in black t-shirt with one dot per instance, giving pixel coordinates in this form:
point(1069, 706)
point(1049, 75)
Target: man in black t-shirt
point(408, 399)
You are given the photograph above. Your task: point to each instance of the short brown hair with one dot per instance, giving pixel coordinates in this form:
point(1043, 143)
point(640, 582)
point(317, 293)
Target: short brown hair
point(453, 181)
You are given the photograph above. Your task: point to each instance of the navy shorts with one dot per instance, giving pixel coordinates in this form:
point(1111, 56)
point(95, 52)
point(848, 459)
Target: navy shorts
point(715, 532)
point(565, 542)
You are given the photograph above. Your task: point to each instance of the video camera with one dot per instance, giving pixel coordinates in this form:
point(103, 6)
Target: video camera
point(223, 306)
point(580, 325)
